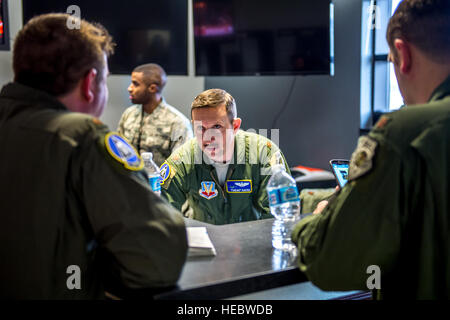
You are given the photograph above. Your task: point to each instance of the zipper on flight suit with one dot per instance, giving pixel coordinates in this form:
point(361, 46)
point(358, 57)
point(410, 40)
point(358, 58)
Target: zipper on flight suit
point(230, 172)
point(219, 186)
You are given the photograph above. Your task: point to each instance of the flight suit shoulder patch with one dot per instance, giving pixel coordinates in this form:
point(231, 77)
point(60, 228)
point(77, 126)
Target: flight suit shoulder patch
point(167, 173)
point(121, 151)
point(361, 160)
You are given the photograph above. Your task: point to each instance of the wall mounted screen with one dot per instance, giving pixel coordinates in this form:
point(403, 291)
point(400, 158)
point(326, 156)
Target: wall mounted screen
point(145, 31)
point(262, 37)
point(4, 27)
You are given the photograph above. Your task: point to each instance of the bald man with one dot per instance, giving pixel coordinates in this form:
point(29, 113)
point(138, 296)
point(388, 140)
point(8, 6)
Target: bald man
point(151, 124)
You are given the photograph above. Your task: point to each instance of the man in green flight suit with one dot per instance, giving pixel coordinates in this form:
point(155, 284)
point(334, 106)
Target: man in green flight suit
point(388, 229)
point(223, 171)
point(77, 213)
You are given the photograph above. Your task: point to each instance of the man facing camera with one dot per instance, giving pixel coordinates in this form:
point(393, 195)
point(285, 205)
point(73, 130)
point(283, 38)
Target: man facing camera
point(388, 229)
point(77, 213)
point(151, 124)
point(223, 171)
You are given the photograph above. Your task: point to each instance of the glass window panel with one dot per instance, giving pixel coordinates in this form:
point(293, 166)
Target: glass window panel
point(395, 97)
point(381, 86)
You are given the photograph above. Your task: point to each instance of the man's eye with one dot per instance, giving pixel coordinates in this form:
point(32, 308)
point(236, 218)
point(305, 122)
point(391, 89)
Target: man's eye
point(217, 126)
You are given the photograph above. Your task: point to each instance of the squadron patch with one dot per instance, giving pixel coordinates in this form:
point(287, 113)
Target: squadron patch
point(119, 148)
point(361, 161)
point(165, 172)
point(208, 190)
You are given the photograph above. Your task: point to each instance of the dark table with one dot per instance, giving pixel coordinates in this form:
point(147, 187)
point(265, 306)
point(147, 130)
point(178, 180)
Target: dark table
point(245, 263)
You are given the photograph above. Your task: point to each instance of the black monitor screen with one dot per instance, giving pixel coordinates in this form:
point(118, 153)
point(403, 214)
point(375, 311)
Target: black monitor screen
point(262, 37)
point(4, 39)
point(144, 31)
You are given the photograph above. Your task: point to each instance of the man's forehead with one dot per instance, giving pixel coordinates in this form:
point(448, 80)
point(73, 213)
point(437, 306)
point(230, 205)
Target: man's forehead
point(137, 76)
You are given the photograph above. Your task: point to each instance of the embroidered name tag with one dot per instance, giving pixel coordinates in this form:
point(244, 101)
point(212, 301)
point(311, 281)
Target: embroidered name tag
point(239, 186)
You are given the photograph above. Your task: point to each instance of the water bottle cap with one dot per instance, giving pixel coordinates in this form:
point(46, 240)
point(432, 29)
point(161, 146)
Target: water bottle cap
point(147, 155)
point(277, 167)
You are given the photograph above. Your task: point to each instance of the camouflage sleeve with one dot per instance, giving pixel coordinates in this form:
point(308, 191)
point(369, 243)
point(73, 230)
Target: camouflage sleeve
point(360, 227)
point(172, 182)
point(181, 132)
point(121, 126)
point(144, 234)
point(268, 155)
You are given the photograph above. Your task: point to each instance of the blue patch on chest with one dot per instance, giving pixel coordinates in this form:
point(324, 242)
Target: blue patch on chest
point(238, 186)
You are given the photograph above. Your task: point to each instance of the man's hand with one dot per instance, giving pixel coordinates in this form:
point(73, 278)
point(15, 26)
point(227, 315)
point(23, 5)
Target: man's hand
point(322, 204)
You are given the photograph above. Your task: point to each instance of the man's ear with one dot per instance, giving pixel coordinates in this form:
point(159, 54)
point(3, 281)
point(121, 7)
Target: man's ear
point(403, 55)
point(237, 124)
point(153, 88)
point(89, 85)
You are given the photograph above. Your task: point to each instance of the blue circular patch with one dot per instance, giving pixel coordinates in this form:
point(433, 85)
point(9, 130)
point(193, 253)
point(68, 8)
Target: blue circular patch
point(165, 171)
point(119, 148)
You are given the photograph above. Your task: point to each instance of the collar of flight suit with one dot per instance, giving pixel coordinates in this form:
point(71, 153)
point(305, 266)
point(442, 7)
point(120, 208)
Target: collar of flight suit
point(441, 91)
point(36, 98)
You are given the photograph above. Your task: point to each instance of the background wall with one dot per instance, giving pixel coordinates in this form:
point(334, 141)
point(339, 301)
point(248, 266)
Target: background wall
point(179, 91)
point(322, 117)
point(321, 120)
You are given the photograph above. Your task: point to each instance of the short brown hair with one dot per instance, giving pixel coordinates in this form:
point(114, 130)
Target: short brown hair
point(153, 73)
point(425, 24)
point(51, 57)
point(215, 98)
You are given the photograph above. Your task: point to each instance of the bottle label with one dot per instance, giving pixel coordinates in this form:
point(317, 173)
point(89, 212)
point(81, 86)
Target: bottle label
point(155, 183)
point(282, 195)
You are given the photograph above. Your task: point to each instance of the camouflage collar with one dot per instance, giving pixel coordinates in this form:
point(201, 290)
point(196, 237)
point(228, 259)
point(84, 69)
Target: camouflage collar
point(441, 91)
point(162, 104)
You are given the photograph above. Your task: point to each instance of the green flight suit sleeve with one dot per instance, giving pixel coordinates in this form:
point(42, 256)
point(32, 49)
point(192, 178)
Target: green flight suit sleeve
point(359, 228)
point(172, 188)
point(144, 234)
point(261, 201)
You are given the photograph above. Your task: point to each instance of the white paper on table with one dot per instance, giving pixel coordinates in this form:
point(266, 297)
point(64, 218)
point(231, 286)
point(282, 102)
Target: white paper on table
point(199, 242)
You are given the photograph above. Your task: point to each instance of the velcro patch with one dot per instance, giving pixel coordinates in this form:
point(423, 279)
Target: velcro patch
point(361, 161)
point(119, 148)
point(208, 190)
point(165, 171)
point(238, 186)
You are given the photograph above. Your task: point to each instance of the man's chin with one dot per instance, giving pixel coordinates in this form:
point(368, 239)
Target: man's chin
point(213, 155)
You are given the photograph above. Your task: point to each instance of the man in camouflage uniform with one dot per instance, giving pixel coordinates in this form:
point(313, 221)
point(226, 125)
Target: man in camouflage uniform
point(388, 228)
point(223, 172)
point(77, 213)
point(152, 125)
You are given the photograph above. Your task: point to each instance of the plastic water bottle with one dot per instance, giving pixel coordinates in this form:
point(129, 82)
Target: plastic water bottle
point(152, 169)
point(284, 202)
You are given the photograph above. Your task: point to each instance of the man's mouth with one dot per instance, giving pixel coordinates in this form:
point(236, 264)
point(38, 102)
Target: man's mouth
point(210, 147)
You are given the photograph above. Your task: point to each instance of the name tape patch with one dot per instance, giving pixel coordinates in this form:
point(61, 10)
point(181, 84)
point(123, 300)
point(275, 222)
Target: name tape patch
point(239, 186)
